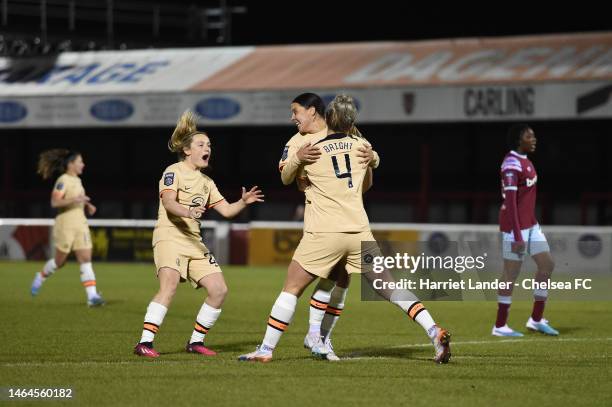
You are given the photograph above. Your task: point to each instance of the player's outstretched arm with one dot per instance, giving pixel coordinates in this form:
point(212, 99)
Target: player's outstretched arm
point(229, 210)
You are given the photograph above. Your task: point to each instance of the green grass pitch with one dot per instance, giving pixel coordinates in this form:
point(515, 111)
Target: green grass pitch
point(54, 340)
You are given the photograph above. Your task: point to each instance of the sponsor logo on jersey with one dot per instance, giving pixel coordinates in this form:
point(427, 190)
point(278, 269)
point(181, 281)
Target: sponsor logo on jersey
point(531, 181)
point(60, 186)
point(198, 200)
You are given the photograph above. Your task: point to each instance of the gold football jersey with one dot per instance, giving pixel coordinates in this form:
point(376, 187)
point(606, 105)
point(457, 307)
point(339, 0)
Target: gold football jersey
point(193, 189)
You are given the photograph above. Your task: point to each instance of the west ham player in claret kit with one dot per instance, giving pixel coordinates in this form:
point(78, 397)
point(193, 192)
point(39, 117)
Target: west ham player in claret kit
point(521, 232)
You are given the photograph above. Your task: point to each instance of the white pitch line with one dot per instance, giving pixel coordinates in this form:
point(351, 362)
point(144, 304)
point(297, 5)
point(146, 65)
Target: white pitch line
point(515, 340)
point(414, 345)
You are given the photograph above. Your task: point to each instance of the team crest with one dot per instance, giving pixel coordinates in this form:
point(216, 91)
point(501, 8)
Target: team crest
point(285, 153)
point(168, 179)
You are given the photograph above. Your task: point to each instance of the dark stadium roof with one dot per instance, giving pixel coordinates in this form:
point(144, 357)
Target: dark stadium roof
point(189, 23)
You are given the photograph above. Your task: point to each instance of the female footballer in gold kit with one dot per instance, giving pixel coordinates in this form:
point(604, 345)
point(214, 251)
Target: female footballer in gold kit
point(179, 254)
point(70, 231)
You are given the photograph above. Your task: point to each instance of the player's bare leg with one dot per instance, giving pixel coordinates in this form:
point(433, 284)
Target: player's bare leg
point(512, 269)
point(48, 269)
point(282, 312)
point(536, 321)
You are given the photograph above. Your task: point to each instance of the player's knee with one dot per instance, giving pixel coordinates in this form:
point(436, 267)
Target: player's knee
point(218, 291)
point(167, 291)
point(165, 297)
point(546, 268)
point(509, 276)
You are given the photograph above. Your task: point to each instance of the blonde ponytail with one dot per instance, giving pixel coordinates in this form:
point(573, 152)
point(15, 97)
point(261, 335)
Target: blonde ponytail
point(186, 128)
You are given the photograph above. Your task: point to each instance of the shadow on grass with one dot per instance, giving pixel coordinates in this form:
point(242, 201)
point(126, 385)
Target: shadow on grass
point(236, 347)
point(373, 352)
point(563, 330)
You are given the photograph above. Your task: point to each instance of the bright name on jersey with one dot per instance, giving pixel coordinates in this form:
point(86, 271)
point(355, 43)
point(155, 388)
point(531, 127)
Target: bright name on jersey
point(340, 145)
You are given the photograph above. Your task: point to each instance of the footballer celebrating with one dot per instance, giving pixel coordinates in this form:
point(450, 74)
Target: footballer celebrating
point(308, 114)
point(179, 253)
point(335, 225)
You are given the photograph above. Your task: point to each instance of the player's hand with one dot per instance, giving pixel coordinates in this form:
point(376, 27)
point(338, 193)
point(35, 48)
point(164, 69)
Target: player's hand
point(196, 212)
point(253, 195)
point(365, 154)
point(91, 209)
point(518, 247)
point(81, 199)
point(308, 154)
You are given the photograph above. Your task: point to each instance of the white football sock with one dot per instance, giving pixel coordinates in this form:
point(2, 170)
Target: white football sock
point(152, 321)
point(49, 268)
point(318, 305)
point(280, 318)
point(88, 279)
point(410, 304)
point(204, 321)
point(334, 309)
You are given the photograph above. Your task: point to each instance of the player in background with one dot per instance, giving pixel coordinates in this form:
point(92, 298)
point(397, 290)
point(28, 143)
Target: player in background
point(179, 254)
point(70, 230)
point(521, 232)
point(308, 114)
point(335, 225)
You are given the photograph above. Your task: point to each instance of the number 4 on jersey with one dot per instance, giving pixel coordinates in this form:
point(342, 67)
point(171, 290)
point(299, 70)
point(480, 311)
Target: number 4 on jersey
point(347, 174)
